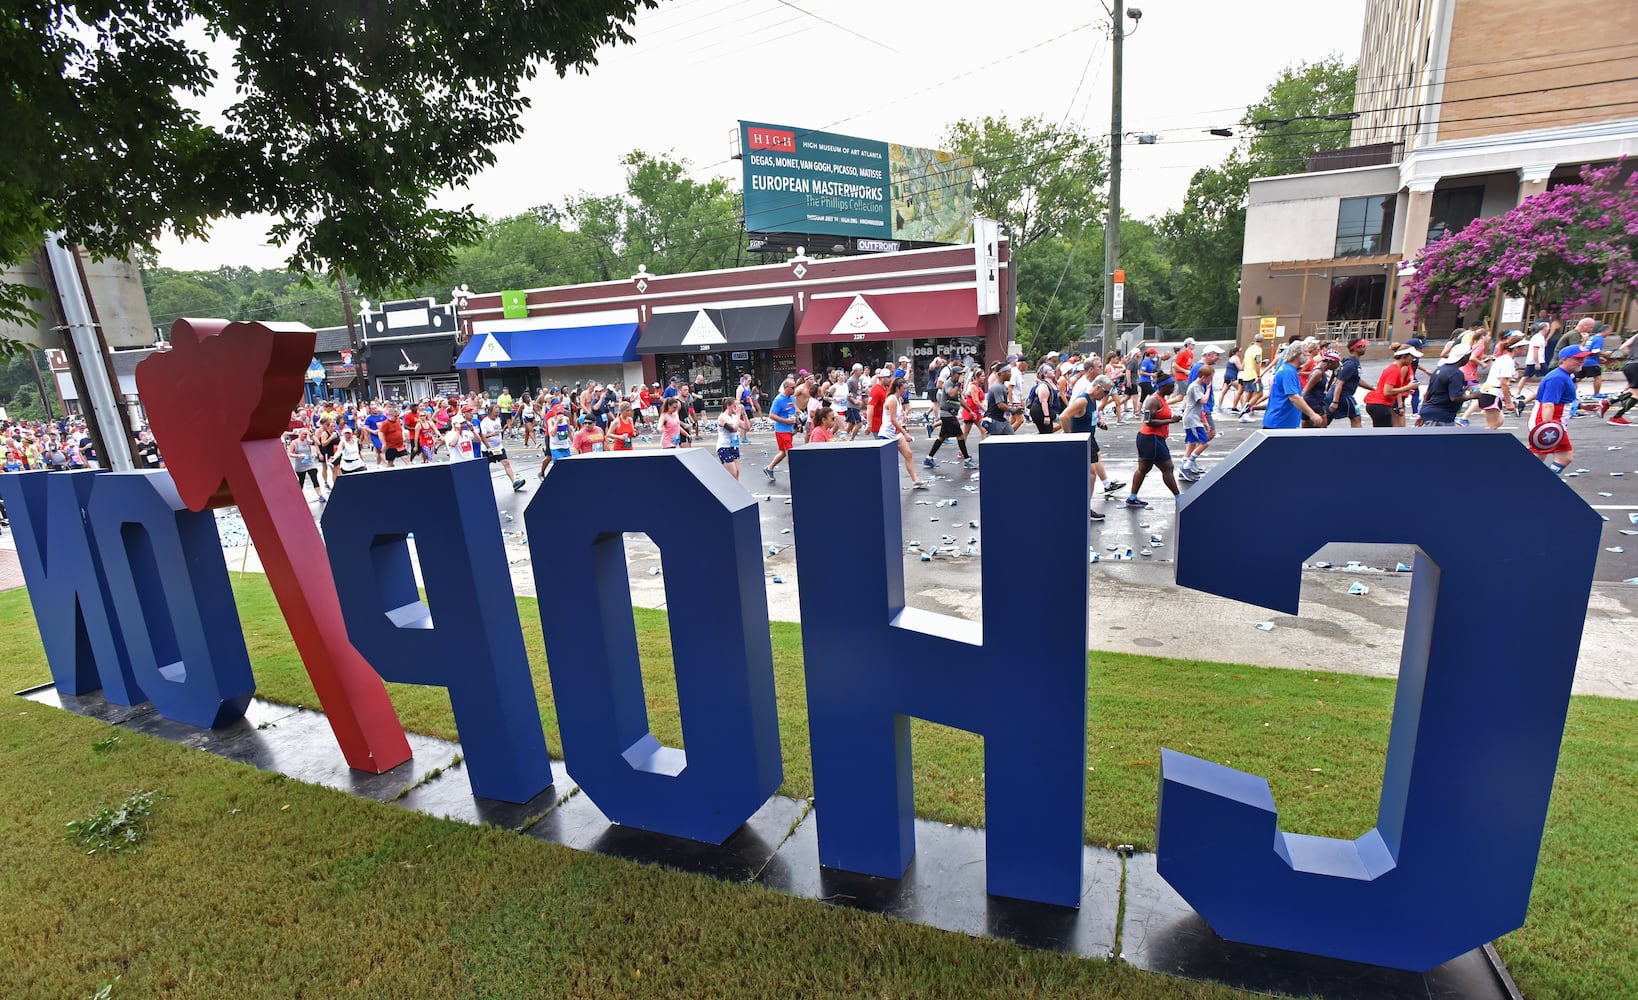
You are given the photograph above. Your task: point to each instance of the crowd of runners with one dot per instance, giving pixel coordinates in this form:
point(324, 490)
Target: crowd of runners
point(1304, 382)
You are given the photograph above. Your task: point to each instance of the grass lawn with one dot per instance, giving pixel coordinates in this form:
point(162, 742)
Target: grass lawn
point(255, 885)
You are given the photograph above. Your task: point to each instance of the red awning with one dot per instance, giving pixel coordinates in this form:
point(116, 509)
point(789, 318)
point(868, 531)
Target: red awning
point(948, 312)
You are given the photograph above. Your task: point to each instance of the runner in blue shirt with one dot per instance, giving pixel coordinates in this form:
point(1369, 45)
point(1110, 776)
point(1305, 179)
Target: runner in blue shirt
point(1553, 400)
point(1286, 407)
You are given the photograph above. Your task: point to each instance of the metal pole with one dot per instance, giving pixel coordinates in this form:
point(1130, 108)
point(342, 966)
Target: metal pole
point(352, 331)
point(103, 409)
point(45, 398)
point(1111, 236)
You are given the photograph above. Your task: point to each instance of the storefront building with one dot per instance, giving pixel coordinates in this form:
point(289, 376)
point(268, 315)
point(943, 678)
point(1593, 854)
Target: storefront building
point(409, 350)
point(535, 353)
point(709, 328)
point(710, 346)
point(876, 329)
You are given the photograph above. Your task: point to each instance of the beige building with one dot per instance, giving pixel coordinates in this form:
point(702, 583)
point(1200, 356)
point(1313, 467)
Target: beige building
point(1464, 108)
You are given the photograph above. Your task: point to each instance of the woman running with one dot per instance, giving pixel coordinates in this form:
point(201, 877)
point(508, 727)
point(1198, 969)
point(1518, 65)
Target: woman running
point(893, 430)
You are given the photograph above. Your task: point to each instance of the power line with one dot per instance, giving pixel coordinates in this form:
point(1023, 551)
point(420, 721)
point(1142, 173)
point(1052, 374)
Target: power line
point(839, 27)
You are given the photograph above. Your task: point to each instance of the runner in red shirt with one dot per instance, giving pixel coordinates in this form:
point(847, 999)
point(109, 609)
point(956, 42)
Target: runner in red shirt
point(1384, 403)
point(623, 431)
point(392, 436)
point(1152, 450)
point(878, 396)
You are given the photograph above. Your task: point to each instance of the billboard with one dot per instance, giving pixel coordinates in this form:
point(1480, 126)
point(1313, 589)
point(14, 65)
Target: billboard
point(801, 181)
point(114, 287)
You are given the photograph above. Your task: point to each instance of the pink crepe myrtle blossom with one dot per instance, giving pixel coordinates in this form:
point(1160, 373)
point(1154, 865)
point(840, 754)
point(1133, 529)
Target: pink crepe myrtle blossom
point(1565, 245)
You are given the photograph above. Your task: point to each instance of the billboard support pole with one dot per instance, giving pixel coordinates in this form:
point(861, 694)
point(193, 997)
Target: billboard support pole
point(88, 356)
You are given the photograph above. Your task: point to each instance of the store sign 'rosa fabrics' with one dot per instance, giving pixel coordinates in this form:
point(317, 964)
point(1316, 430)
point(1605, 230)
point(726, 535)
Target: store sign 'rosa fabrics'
point(1471, 754)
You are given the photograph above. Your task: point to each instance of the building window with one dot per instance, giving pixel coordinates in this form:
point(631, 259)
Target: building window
point(1357, 297)
point(1453, 209)
point(1364, 225)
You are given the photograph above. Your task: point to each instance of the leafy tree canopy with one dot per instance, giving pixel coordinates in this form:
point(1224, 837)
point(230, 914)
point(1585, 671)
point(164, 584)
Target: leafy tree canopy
point(1035, 178)
point(346, 120)
point(1305, 110)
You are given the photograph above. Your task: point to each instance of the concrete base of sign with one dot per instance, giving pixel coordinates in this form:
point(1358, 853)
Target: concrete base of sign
point(778, 848)
point(1161, 933)
point(944, 887)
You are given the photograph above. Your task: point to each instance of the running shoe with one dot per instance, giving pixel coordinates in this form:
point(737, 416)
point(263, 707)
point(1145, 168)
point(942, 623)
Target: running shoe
point(1188, 475)
point(1461, 421)
point(1247, 417)
point(1094, 515)
point(1134, 502)
point(919, 484)
point(929, 463)
point(968, 463)
point(768, 472)
point(1114, 486)
point(518, 485)
point(1619, 421)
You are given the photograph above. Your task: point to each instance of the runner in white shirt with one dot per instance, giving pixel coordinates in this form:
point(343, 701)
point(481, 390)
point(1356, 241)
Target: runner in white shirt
point(494, 448)
point(1535, 363)
point(1496, 393)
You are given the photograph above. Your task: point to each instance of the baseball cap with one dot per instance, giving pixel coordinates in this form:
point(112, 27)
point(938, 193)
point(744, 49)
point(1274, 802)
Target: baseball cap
point(1151, 353)
point(1574, 351)
point(1210, 349)
point(1331, 356)
point(1459, 353)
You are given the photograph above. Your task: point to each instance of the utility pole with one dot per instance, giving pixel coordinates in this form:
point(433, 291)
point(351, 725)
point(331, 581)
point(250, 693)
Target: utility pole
point(1111, 237)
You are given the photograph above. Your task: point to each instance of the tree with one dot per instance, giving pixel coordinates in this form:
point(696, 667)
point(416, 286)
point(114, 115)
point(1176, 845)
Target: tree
point(343, 125)
point(1565, 245)
point(183, 295)
point(1035, 178)
point(663, 220)
point(1059, 281)
point(1305, 110)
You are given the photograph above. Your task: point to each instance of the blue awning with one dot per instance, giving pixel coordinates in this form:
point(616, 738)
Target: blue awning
point(579, 345)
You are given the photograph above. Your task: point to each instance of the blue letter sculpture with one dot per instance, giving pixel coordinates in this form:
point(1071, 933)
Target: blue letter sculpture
point(872, 662)
point(476, 650)
point(710, 539)
point(170, 589)
point(66, 584)
point(1476, 724)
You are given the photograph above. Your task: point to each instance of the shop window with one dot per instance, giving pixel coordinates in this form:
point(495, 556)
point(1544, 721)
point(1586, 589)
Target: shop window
point(1357, 297)
point(1364, 225)
point(1453, 209)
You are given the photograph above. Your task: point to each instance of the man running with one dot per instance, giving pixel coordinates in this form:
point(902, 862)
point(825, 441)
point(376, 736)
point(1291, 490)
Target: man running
point(1080, 417)
point(1554, 398)
point(494, 447)
point(1251, 379)
point(948, 403)
point(783, 414)
point(1345, 387)
point(1286, 407)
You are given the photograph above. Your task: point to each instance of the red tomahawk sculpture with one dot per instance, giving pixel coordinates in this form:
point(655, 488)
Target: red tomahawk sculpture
point(219, 401)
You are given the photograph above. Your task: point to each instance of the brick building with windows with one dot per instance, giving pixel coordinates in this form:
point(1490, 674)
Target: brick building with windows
point(1463, 109)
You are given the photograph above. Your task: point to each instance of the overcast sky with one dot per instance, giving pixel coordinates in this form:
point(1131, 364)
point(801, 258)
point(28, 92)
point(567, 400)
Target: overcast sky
point(897, 71)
